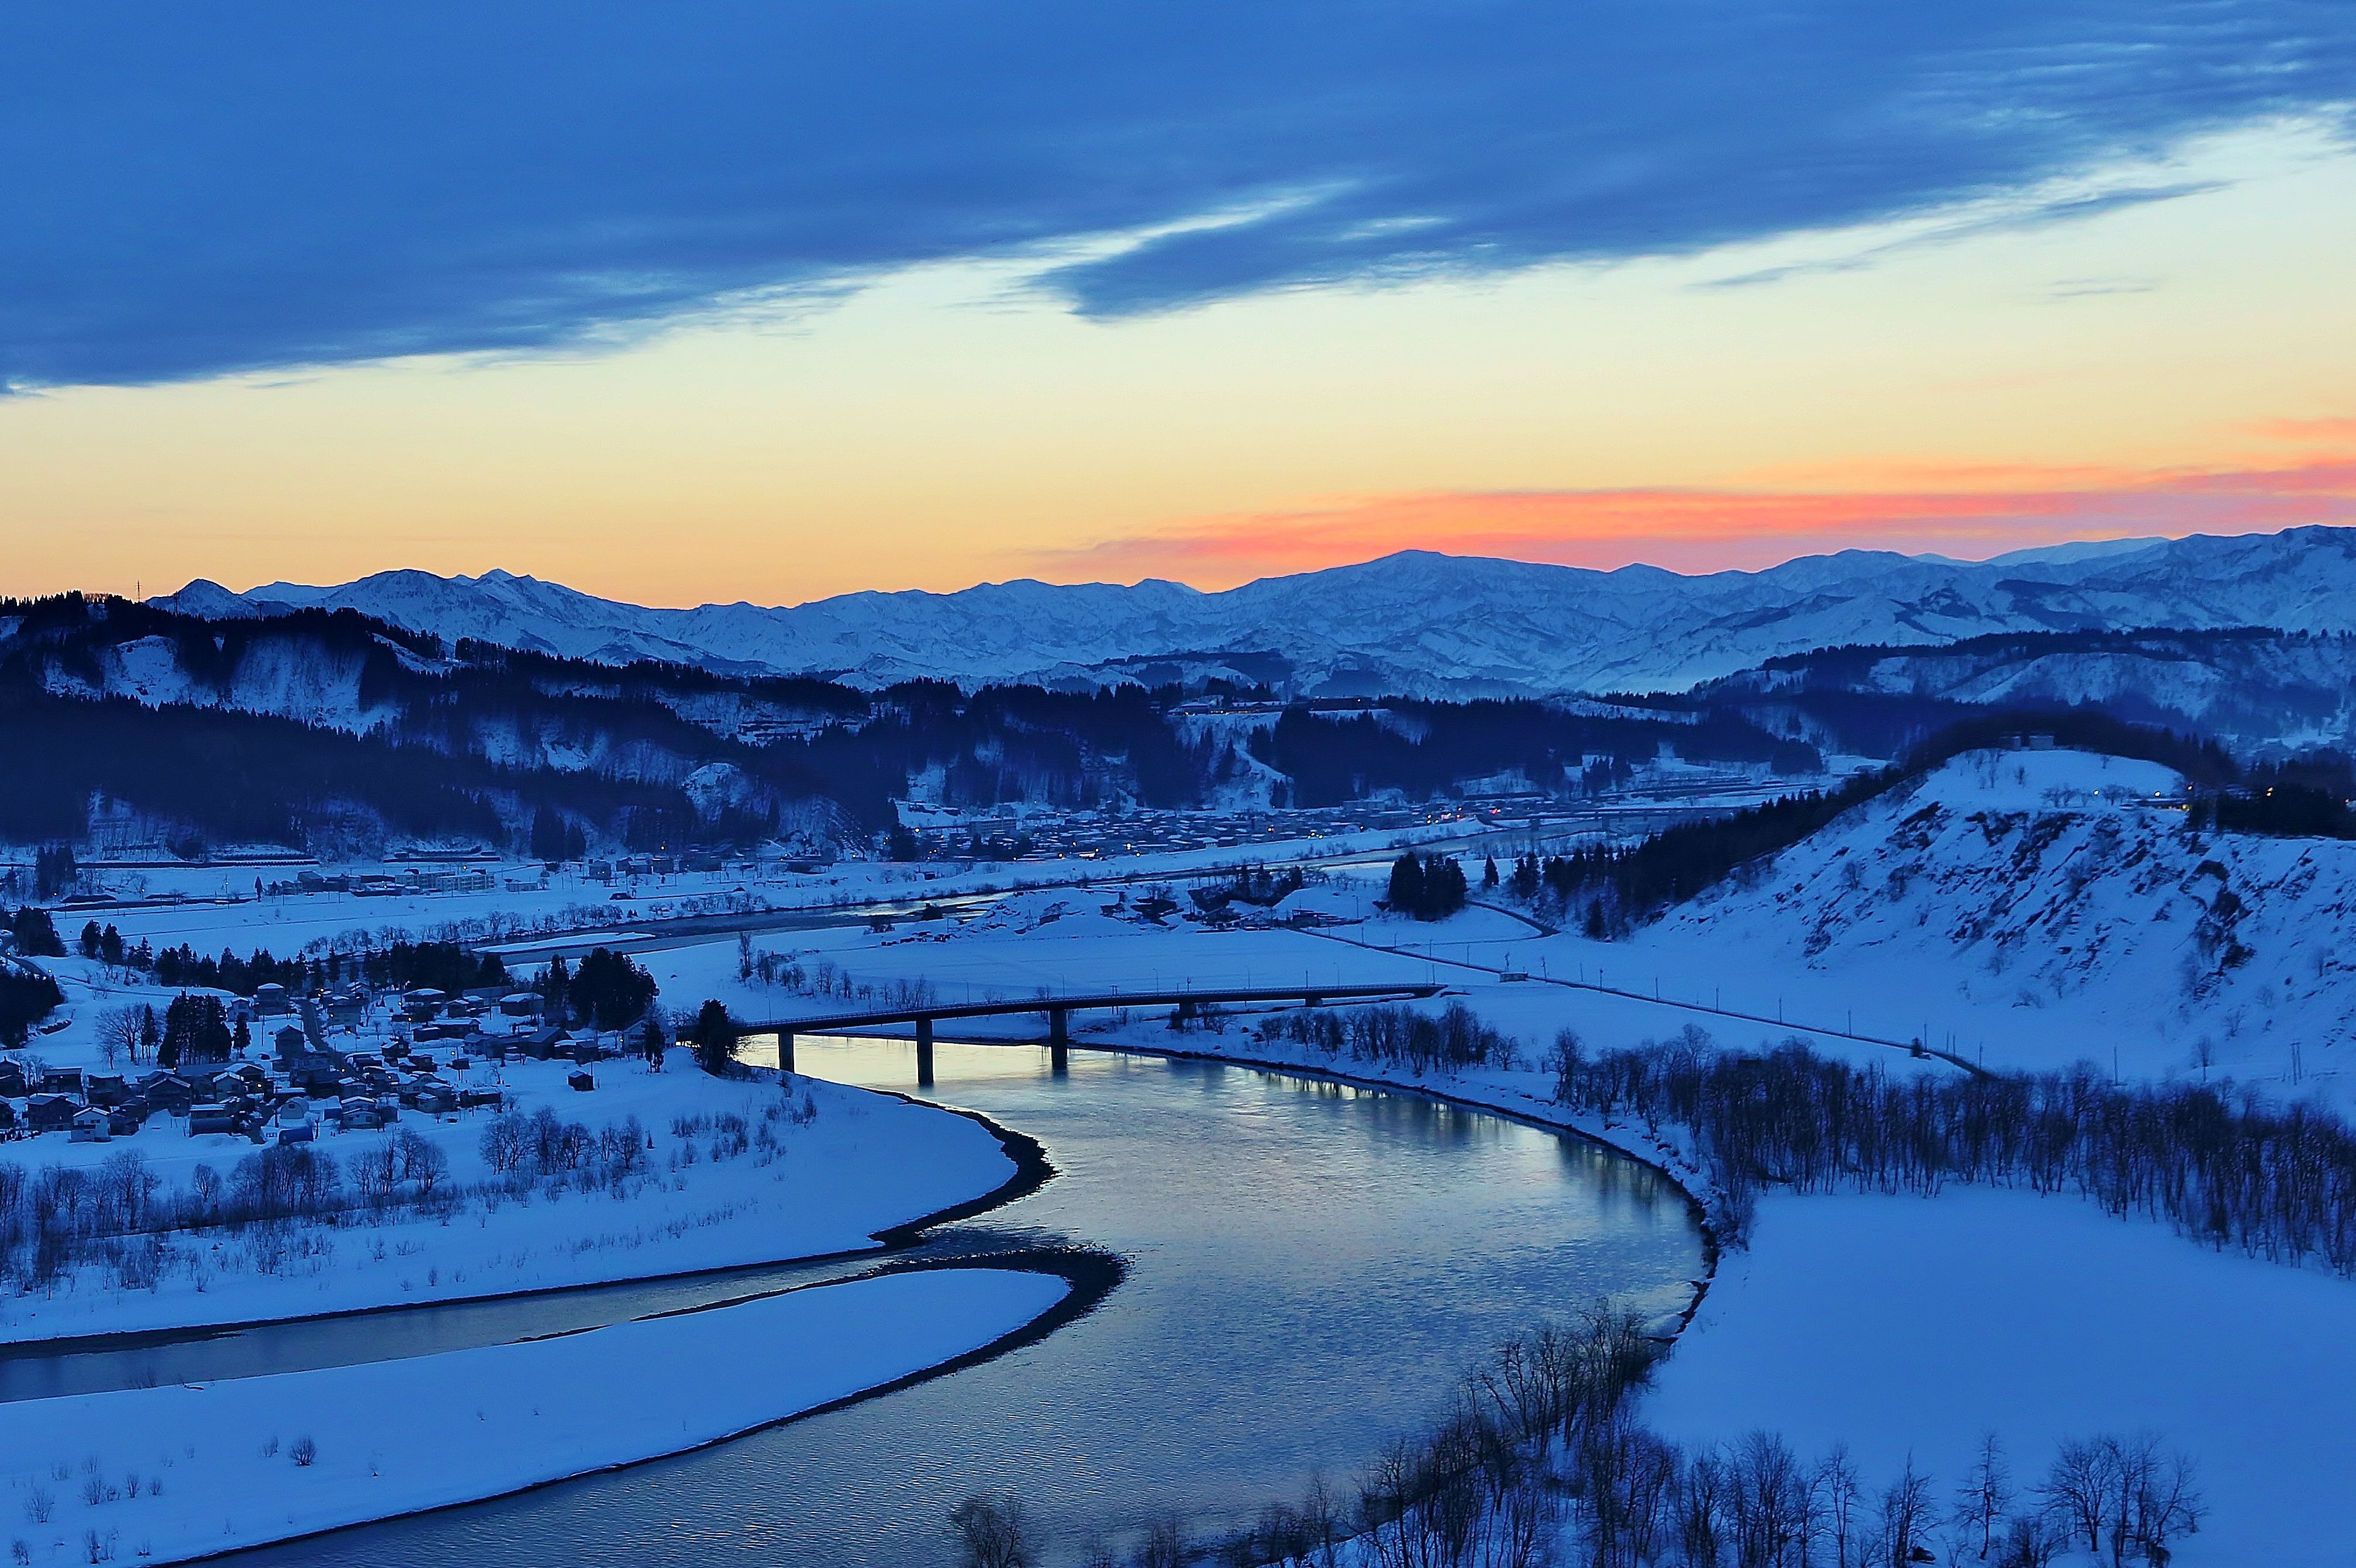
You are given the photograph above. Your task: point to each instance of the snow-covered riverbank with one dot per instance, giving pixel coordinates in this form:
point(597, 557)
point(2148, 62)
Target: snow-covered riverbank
point(1905, 1326)
point(163, 1475)
point(731, 1172)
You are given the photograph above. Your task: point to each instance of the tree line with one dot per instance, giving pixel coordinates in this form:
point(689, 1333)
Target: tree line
point(1397, 1035)
point(2223, 1167)
point(1542, 1462)
point(400, 963)
point(1426, 748)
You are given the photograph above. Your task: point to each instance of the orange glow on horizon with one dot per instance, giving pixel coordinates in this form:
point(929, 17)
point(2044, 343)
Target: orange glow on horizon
point(1983, 510)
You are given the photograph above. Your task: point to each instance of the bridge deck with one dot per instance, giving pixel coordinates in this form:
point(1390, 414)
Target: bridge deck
point(820, 1023)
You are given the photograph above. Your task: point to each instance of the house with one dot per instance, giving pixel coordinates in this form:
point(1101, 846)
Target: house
point(539, 1044)
point(90, 1125)
point(105, 1089)
point(270, 998)
point(211, 1118)
point(290, 1042)
point(357, 1115)
point(12, 1080)
point(521, 1005)
point(127, 1118)
point(51, 1113)
point(169, 1093)
point(435, 1099)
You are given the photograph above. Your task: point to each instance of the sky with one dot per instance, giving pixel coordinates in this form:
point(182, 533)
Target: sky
point(740, 300)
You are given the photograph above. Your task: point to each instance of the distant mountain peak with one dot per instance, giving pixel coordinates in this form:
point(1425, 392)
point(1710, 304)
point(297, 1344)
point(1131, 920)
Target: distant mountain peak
point(1414, 622)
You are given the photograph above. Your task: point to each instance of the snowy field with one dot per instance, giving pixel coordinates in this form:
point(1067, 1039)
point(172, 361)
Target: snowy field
point(163, 1475)
point(1908, 1326)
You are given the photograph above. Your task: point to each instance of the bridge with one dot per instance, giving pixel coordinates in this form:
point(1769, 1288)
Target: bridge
point(1058, 1011)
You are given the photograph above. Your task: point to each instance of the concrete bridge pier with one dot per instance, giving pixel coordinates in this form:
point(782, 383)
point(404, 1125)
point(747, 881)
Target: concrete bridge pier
point(1059, 1039)
point(924, 1053)
point(785, 1050)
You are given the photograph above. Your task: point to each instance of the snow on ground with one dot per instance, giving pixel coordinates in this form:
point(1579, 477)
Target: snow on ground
point(1904, 1325)
point(194, 1469)
point(2007, 907)
point(568, 900)
point(867, 1162)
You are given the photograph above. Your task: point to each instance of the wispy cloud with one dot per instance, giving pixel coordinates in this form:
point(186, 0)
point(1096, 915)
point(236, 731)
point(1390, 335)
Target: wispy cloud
point(1693, 529)
point(197, 191)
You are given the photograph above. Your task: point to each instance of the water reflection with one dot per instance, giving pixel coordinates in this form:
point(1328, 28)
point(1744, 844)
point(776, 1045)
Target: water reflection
point(1311, 1263)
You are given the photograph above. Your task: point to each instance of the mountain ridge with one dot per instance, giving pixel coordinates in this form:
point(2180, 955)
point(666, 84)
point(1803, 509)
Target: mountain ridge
point(1415, 621)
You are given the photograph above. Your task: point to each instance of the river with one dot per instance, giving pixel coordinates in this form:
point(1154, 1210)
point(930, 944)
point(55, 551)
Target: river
point(1309, 1266)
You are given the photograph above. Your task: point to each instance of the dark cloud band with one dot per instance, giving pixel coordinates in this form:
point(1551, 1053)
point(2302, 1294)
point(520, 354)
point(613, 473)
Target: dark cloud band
point(192, 190)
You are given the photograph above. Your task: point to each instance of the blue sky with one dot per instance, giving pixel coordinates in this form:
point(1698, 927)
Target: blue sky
point(198, 189)
point(904, 292)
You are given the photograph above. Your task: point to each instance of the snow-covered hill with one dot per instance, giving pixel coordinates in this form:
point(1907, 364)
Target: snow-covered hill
point(1417, 623)
point(2047, 908)
point(2254, 690)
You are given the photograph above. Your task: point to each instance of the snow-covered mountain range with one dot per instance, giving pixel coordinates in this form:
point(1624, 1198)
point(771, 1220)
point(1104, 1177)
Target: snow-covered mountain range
point(1415, 622)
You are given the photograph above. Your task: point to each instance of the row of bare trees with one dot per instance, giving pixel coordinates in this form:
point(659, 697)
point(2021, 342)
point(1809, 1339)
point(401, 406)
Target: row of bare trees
point(119, 1212)
point(2227, 1168)
point(1400, 1037)
point(1541, 1463)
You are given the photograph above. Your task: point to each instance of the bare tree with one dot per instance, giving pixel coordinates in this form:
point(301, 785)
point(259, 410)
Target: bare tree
point(2029, 1540)
point(2156, 1502)
point(1838, 1494)
point(992, 1533)
point(1165, 1545)
point(1984, 1495)
point(119, 1033)
point(1904, 1524)
point(1770, 1502)
point(2077, 1490)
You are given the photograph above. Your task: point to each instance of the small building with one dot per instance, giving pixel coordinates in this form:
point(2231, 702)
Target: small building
point(169, 1093)
point(13, 1082)
point(211, 1118)
point(51, 1113)
point(521, 1005)
point(127, 1118)
point(106, 1089)
point(269, 997)
point(579, 1081)
point(290, 1042)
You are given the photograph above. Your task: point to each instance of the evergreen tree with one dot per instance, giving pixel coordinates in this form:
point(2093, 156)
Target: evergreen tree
point(610, 990)
point(715, 1039)
point(36, 934)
